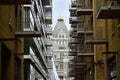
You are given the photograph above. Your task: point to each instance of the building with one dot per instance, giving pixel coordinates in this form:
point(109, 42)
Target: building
point(106, 13)
point(60, 48)
point(11, 63)
point(94, 40)
point(81, 66)
point(25, 40)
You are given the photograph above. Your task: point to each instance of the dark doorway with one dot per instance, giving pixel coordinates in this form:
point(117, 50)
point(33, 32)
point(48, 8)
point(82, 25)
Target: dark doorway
point(5, 58)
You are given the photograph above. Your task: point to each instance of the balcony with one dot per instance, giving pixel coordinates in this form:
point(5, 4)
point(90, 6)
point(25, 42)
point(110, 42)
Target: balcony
point(70, 66)
point(86, 54)
point(28, 34)
point(36, 43)
point(49, 64)
point(73, 41)
point(71, 73)
point(96, 41)
point(74, 30)
point(49, 30)
point(71, 45)
point(73, 25)
point(46, 2)
point(87, 33)
point(81, 12)
point(49, 43)
point(48, 19)
point(73, 20)
point(74, 35)
point(73, 9)
point(108, 10)
point(60, 72)
point(10, 2)
point(73, 14)
point(48, 14)
point(73, 3)
point(58, 60)
point(73, 52)
point(48, 8)
point(79, 64)
point(35, 63)
point(49, 55)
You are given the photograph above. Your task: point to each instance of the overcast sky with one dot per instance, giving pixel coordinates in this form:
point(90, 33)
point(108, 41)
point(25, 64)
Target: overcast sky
point(60, 8)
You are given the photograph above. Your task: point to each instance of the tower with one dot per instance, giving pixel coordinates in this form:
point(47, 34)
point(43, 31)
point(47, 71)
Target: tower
point(60, 48)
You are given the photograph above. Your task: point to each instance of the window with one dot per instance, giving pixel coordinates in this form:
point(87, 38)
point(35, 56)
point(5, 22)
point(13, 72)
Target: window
point(61, 77)
point(62, 48)
point(27, 17)
point(61, 66)
point(61, 55)
point(62, 35)
point(56, 66)
point(54, 56)
point(59, 35)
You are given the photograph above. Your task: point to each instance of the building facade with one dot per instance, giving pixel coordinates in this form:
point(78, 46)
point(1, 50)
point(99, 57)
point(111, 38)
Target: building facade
point(60, 48)
point(25, 40)
point(94, 40)
point(11, 65)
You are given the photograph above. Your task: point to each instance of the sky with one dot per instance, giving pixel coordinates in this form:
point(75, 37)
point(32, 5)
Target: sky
point(60, 8)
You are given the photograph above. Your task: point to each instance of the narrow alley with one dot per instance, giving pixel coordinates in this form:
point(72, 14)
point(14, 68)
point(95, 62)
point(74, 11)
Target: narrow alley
point(59, 40)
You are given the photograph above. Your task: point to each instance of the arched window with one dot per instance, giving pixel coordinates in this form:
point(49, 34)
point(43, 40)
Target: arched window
point(62, 35)
point(59, 35)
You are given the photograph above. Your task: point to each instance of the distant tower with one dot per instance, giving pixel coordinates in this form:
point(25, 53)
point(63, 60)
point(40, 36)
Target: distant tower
point(60, 48)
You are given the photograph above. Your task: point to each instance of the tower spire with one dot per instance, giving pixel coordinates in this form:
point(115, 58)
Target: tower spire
point(60, 18)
